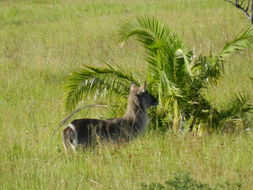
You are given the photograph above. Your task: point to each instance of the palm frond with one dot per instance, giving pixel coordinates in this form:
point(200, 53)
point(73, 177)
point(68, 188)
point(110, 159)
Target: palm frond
point(182, 67)
point(236, 108)
point(242, 41)
point(210, 68)
point(158, 40)
point(207, 69)
point(147, 30)
point(161, 45)
point(97, 83)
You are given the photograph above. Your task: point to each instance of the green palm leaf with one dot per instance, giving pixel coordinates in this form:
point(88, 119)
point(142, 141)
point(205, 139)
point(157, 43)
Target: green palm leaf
point(238, 106)
point(97, 83)
point(158, 40)
point(242, 41)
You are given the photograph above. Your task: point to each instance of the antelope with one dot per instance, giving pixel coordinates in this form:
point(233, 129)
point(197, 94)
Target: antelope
point(89, 132)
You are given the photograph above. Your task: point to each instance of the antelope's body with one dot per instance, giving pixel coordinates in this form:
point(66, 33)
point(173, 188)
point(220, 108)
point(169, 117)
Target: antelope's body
point(88, 132)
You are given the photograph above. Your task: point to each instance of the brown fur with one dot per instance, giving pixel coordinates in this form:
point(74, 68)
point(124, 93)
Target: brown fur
point(87, 132)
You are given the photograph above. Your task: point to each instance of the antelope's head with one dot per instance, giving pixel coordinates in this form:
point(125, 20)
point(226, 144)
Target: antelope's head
point(142, 97)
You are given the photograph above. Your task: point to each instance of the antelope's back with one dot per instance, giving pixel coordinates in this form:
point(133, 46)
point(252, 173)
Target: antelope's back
point(90, 129)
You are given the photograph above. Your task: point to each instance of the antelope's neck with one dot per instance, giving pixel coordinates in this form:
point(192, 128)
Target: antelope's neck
point(136, 113)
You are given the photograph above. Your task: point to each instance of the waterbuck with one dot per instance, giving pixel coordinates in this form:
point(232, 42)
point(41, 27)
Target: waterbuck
point(88, 132)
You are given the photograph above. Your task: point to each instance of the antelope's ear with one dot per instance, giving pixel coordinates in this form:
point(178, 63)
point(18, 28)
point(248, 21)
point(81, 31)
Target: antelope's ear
point(145, 85)
point(133, 87)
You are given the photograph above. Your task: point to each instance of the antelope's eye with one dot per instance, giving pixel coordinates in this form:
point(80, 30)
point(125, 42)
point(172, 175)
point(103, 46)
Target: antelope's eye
point(142, 92)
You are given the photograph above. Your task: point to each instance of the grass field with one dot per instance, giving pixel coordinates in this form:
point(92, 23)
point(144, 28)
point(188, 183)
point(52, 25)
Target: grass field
point(42, 41)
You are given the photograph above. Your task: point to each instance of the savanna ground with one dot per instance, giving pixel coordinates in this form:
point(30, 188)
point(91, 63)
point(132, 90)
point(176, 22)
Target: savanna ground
point(42, 41)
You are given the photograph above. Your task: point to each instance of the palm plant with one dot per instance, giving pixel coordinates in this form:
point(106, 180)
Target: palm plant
point(174, 75)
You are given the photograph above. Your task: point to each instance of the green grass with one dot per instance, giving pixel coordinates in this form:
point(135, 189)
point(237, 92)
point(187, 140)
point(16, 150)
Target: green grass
point(153, 158)
point(41, 41)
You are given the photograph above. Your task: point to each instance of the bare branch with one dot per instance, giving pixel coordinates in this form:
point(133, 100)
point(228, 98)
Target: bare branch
point(251, 12)
point(247, 8)
point(239, 6)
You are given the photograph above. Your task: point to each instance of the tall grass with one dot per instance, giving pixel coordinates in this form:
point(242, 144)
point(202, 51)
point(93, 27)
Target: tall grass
point(153, 158)
point(41, 41)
